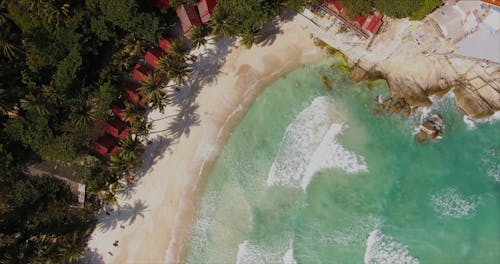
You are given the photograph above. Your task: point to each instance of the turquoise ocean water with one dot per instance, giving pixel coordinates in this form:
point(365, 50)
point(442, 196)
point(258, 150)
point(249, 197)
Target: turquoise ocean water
point(312, 176)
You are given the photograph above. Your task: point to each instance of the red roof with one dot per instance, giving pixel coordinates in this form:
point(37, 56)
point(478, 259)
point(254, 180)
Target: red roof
point(164, 44)
point(165, 4)
point(373, 23)
point(152, 56)
point(206, 8)
point(116, 128)
point(336, 5)
point(106, 145)
point(140, 72)
point(360, 20)
point(189, 17)
point(130, 92)
point(117, 110)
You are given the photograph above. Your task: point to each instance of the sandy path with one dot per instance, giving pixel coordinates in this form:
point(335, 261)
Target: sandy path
point(153, 218)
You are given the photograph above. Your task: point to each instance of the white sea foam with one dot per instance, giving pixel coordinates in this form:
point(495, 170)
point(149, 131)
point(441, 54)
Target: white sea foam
point(449, 202)
point(249, 253)
point(309, 145)
point(471, 124)
point(381, 249)
point(252, 254)
point(288, 258)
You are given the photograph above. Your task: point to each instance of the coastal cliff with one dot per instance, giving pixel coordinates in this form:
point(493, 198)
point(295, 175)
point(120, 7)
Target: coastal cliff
point(415, 71)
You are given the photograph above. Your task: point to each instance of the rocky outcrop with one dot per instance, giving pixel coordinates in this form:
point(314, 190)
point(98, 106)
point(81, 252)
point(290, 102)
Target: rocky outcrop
point(472, 103)
point(430, 129)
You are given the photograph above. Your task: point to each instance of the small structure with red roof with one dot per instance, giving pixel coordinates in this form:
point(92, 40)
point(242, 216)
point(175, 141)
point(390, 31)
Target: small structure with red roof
point(205, 9)
point(189, 16)
point(162, 4)
point(140, 72)
point(130, 92)
point(117, 110)
point(106, 145)
point(152, 56)
point(164, 44)
point(115, 128)
point(335, 5)
point(373, 23)
point(359, 20)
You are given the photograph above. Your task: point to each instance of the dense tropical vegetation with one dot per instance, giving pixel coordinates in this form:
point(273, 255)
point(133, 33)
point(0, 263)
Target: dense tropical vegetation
point(61, 67)
point(414, 9)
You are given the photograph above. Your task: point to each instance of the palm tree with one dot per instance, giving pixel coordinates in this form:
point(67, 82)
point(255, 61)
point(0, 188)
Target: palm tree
point(56, 14)
point(198, 35)
point(140, 128)
point(177, 49)
point(174, 68)
point(152, 91)
point(7, 40)
point(219, 25)
point(34, 103)
point(131, 111)
point(80, 116)
point(128, 157)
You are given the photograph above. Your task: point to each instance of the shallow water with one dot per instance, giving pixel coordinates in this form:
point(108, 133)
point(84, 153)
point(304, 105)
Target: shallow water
point(312, 176)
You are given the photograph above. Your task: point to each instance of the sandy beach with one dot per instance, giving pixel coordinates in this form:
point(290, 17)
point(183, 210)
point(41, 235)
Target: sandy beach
point(153, 217)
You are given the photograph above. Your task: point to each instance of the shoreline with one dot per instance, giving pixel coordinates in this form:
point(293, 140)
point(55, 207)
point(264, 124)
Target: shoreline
point(178, 251)
point(175, 170)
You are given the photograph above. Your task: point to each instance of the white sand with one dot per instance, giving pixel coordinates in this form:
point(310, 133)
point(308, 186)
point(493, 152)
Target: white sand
point(153, 221)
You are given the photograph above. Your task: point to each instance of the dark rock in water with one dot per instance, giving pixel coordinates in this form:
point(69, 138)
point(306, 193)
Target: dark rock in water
point(386, 103)
point(407, 110)
point(395, 108)
point(375, 111)
point(431, 128)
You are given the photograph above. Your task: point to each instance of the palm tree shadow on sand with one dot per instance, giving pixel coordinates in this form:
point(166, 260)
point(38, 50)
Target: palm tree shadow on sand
point(123, 214)
point(91, 256)
point(183, 121)
point(205, 72)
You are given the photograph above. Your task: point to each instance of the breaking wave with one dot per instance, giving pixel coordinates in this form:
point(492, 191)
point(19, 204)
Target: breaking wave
point(310, 145)
point(449, 202)
point(249, 253)
point(381, 249)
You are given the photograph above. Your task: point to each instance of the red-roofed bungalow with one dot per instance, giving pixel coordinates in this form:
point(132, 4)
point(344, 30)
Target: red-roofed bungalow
point(360, 20)
point(164, 44)
point(163, 4)
point(373, 23)
point(117, 110)
point(152, 56)
point(206, 8)
point(140, 72)
point(106, 145)
point(116, 128)
point(130, 91)
point(189, 17)
point(335, 5)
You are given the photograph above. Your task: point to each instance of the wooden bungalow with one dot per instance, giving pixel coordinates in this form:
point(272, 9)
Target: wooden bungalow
point(117, 110)
point(189, 16)
point(164, 44)
point(106, 145)
point(152, 56)
point(140, 72)
point(116, 128)
point(130, 92)
point(205, 9)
